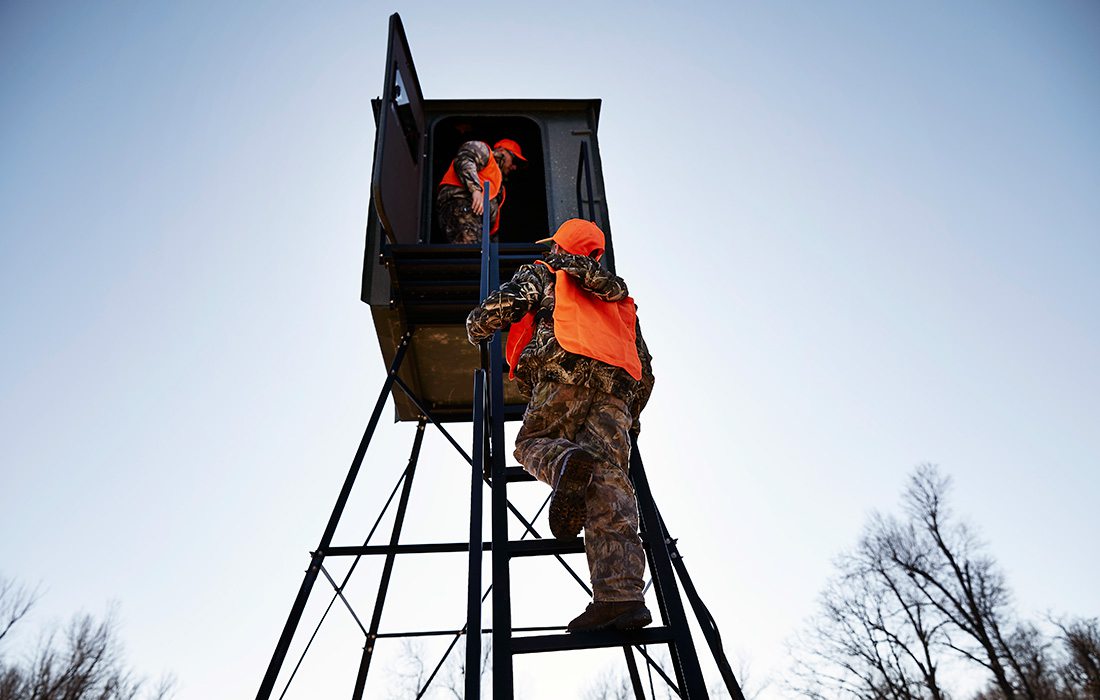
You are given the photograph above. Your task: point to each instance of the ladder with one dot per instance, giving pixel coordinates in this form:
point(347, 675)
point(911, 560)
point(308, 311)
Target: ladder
point(488, 467)
point(664, 559)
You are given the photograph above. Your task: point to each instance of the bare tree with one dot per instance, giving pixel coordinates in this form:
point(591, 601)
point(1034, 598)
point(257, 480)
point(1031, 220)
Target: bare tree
point(1080, 672)
point(414, 679)
point(751, 686)
point(613, 683)
point(610, 686)
point(873, 638)
point(85, 664)
point(921, 591)
point(948, 565)
point(409, 673)
point(15, 603)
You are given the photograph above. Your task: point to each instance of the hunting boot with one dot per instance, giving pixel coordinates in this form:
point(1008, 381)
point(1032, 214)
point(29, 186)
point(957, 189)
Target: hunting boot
point(567, 507)
point(629, 615)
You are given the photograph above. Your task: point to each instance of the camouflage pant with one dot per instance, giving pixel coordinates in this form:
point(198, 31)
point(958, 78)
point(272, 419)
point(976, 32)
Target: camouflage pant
point(561, 418)
point(459, 223)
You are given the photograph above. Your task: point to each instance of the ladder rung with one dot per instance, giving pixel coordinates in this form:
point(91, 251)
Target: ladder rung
point(536, 548)
point(516, 548)
point(434, 548)
point(590, 640)
point(517, 474)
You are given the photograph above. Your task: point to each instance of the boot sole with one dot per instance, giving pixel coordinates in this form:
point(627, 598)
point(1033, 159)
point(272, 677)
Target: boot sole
point(634, 620)
point(631, 620)
point(567, 507)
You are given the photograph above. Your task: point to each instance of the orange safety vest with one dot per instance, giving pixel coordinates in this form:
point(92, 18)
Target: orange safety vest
point(490, 172)
point(584, 325)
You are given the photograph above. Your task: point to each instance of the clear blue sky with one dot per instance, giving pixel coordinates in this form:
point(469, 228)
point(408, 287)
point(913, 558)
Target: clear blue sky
point(862, 236)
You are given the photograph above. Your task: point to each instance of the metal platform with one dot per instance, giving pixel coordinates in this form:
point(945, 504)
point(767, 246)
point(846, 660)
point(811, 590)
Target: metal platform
point(431, 289)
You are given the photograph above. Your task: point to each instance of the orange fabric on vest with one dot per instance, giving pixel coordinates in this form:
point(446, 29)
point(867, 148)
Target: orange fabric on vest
point(583, 325)
point(490, 172)
point(519, 335)
point(586, 325)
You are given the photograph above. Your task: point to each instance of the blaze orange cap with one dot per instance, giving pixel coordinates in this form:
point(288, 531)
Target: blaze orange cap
point(510, 145)
point(579, 237)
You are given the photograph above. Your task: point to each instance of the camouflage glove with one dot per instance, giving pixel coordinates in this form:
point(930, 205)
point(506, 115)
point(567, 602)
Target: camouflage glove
point(576, 265)
point(499, 310)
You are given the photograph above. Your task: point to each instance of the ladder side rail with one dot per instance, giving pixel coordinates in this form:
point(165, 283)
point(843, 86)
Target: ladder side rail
point(485, 283)
point(387, 567)
point(473, 591)
point(502, 603)
point(501, 557)
point(686, 662)
point(296, 610)
point(479, 462)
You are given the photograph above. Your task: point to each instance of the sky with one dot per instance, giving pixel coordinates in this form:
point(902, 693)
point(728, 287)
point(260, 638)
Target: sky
point(862, 237)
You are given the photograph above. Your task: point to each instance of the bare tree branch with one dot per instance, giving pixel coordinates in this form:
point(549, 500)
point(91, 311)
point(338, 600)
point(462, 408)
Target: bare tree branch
point(15, 603)
point(921, 591)
point(85, 663)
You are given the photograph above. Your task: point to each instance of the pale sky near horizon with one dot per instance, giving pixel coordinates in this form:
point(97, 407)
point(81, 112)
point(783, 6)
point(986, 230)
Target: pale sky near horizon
point(862, 237)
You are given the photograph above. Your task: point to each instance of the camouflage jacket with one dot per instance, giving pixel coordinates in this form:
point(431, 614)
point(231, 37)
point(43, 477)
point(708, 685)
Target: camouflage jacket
point(472, 156)
point(544, 359)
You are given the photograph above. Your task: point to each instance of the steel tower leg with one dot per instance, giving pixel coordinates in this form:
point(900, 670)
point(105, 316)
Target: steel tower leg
point(686, 662)
point(318, 556)
point(387, 568)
